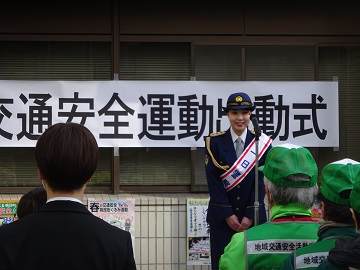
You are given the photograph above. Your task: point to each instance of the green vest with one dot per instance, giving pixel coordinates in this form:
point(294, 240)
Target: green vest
point(312, 256)
point(326, 265)
point(268, 245)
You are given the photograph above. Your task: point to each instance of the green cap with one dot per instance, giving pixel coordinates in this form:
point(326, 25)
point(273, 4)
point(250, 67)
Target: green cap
point(287, 159)
point(355, 194)
point(337, 177)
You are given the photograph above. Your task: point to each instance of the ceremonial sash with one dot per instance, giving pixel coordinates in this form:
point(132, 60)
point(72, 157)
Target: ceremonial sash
point(245, 162)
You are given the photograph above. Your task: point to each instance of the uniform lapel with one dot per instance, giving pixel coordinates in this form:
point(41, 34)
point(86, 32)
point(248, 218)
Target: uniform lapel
point(249, 138)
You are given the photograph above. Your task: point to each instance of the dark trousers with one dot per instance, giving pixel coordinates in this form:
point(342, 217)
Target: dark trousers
point(220, 236)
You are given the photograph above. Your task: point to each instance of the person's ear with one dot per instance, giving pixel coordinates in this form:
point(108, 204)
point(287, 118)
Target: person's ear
point(268, 195)
point(40, 175)
point(323, 208)
point(354, 218)
point(267, 190)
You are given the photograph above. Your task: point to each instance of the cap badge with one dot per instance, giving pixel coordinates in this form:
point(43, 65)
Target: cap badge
point(238, 99)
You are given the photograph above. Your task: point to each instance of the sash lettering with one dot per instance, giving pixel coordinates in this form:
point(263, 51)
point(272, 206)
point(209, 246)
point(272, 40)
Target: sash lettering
point(245, 162)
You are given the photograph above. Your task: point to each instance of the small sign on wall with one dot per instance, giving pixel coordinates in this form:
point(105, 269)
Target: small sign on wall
point(119, 213)
point(8, 210)
point(198, 232)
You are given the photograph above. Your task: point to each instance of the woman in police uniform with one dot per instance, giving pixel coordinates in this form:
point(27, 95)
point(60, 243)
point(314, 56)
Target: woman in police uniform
point(231, 205)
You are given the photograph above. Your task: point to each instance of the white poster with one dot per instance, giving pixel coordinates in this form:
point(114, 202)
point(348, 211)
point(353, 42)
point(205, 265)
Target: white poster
point(119, 213)
point(198, 252)
point(166, 113)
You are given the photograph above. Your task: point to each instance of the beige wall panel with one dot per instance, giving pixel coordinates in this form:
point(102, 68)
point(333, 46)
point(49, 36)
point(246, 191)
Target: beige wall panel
point(322, 18)
point(181, 18)
point(56, 17)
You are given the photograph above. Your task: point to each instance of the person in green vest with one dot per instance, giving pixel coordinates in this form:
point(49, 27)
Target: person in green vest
point(337, 182)
point(346, 253)
point(290, 177)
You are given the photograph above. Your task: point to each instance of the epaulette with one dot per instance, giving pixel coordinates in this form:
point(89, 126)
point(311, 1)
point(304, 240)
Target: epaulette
point(217, 133)
point(252, 132)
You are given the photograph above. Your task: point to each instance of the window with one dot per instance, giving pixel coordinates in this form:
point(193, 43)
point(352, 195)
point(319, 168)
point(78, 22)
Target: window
point(280, 63)
point(218, 63)
point(155, 166)
point(343, 64)
point(154, 61)
point(51, 61)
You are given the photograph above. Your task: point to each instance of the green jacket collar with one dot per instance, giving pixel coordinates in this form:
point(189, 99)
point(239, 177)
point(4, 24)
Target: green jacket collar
point(291, 209)
point(337, 231)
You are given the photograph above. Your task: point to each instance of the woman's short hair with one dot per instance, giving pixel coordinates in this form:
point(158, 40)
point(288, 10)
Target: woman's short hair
point(66, 155)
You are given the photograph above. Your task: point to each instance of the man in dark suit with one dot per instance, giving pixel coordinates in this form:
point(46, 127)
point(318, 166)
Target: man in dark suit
point(64, 234)
point(230, 171)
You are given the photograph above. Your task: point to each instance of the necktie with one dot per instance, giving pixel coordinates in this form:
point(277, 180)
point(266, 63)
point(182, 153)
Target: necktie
point(239, 146)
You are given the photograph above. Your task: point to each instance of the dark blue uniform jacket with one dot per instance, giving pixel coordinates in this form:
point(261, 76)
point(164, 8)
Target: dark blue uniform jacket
point(240, 199)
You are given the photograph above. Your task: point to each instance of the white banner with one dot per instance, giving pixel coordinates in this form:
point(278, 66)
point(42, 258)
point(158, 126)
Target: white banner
point(166, 113)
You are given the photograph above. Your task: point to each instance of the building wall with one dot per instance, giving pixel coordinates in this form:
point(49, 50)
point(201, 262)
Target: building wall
point(161, 217)
point(231, 18)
